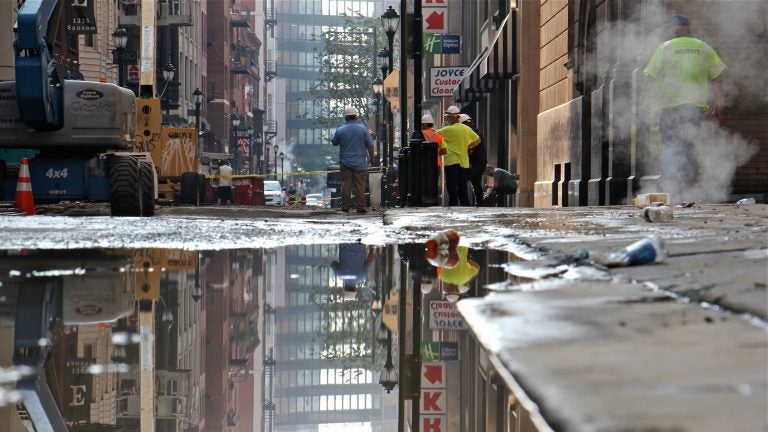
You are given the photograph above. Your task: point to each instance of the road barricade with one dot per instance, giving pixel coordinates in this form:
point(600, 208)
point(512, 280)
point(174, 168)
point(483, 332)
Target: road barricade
point(248, 190)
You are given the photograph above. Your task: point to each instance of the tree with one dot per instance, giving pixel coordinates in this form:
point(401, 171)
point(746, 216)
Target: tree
point(347, 68)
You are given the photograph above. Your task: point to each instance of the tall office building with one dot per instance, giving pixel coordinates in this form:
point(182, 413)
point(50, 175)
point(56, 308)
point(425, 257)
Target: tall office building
point(298, 37)
point(315, 325)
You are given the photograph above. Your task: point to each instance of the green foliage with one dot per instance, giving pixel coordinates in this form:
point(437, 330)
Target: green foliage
point(347, 68)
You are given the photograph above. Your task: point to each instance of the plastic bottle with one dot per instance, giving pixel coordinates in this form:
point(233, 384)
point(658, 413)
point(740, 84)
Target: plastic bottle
point(445, 239)
point(746, 201)
point(646, 251)
point(658, 213)
point(441, 248)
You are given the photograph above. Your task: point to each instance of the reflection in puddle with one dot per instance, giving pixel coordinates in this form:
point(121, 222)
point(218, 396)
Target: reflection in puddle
point(280, 339)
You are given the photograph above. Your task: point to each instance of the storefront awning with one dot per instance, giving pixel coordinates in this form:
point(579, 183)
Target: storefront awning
point(496, 62)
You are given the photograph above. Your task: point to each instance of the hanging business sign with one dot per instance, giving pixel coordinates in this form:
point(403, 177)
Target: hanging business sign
point(442, 43)
point(443, 80)
point(443, 315)
point(80, 17)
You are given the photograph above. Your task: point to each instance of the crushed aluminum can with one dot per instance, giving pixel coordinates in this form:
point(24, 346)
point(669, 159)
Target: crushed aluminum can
point(646, 251)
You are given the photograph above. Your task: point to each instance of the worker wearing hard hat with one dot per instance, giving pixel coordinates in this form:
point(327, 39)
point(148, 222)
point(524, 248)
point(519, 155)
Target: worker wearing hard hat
point(355, 153)
point(457, 139)
point(431, 135)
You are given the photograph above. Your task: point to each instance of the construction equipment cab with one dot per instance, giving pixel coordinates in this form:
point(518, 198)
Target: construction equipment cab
point(81, 132)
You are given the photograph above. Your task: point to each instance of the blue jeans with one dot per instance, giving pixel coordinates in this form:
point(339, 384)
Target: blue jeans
point(679, 127)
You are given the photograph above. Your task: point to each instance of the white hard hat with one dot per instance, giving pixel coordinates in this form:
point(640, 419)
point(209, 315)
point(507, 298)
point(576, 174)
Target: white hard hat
point(453, 298)
point(427, 118)
point(452, 110)
point(351, 111)
point(463, 118)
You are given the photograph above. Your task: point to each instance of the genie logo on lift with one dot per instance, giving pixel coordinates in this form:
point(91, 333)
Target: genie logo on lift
point(88, 310)
point(89, 94)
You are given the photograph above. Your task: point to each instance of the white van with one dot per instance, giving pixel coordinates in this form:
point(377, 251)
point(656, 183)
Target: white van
point(273, 193)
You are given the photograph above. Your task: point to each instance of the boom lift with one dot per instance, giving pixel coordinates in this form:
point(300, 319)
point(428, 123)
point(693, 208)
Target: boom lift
point(83, 131)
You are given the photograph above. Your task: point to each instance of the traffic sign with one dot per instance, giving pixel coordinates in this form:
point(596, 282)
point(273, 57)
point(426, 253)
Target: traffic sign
point(133, 73)
point(434, 19)
point(432, 375)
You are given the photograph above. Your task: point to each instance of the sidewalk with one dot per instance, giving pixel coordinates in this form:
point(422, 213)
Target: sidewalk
point(676, 346)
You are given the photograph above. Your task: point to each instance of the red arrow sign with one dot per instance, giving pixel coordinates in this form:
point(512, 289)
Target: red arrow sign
point(433, 373)
point(435, 21)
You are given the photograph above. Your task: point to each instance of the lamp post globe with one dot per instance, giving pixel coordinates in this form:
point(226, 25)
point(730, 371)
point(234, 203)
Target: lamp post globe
point(197, 293)
point(275, 148)
point(390, 20)
point(120, 38)
point(168, 72)
point(382, 60)
point(388, 376)
point(378, 87)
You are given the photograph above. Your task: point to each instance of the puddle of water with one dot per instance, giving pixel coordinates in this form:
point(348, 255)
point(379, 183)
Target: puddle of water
point(307, 333)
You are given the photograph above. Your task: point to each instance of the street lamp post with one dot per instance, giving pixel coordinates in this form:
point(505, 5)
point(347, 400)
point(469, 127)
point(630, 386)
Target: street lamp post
point(120, 39)
point(249, 131)
point(390, 20)
point(282, 167)
point(275, 148)
point(235, 120)
point(198, 96)
point(378, 88)
point(168, 72)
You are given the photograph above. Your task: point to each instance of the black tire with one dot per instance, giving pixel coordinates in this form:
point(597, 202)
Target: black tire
point(147, 188)
point(124, 186)
point(189, 186)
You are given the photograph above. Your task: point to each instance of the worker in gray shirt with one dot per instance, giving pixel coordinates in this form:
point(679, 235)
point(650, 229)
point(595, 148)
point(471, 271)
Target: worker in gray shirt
point(504, 183)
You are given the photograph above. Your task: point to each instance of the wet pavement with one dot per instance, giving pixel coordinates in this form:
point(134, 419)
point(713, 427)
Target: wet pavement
point(677, 345)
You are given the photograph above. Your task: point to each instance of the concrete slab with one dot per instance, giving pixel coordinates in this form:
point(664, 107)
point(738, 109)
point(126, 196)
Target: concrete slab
point(599, 356)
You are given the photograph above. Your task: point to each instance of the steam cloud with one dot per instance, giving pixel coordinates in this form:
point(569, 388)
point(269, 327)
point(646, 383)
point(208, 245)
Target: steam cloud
point(737, 30)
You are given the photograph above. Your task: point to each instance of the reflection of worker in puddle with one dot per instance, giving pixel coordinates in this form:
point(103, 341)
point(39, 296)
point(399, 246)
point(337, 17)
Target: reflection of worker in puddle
point(352, 267)
point(456, 273)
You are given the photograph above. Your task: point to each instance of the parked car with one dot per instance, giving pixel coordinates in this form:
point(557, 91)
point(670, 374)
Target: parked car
point(273, 193)
point(315, 200)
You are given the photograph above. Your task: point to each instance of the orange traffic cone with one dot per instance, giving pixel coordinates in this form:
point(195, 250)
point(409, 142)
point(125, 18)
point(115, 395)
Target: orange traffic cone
point(24, 201)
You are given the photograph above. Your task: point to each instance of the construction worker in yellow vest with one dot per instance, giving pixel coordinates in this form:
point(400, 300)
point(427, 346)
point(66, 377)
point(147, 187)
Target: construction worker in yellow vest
point(682, 69)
